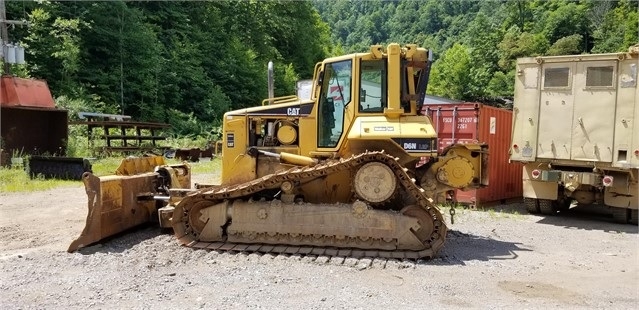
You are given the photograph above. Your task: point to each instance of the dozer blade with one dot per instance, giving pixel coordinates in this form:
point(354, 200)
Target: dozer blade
point(114, 206)
point(125, 200)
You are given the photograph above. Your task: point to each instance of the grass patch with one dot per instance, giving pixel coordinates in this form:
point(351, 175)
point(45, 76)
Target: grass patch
point(501, 213)
point(492, 213)
point(17, 180)
point(201, 167)
point(105, 166)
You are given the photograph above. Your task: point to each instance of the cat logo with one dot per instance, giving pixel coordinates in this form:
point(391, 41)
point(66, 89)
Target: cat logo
point(293, 111)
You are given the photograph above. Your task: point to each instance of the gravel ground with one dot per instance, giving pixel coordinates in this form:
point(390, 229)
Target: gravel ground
point(495, 258)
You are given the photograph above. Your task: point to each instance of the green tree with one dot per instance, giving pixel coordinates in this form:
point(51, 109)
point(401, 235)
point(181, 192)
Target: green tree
point(618, 30)
point(65, 32)
point(556, 19)
point(501, 85)
point(519, 13)
point(566, 46)
point(120, 58)
point(517, 44)
point(40, 46)
point(450, 74)
point(482, 36)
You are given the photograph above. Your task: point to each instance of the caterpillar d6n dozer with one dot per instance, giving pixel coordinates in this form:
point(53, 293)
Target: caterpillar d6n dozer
point(334, 175)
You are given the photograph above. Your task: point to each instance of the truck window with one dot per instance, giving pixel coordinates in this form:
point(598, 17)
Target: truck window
point(556, 77)
point(334, 97)
point(372, 93)
point(599, 76)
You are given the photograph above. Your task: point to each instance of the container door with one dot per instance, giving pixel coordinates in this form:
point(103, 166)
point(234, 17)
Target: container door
point(594, 111)
point(556, 111)
point(454, 124)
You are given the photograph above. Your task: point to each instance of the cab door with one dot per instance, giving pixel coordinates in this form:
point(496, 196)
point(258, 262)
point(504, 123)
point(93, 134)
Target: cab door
point(334, 98)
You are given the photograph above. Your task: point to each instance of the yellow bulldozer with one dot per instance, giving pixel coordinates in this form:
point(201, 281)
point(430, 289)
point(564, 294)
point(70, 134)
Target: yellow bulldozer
point(340, 174)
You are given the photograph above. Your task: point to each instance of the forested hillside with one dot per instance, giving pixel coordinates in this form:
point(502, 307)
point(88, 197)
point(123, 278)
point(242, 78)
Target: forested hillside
point(188, 62)
point(181, 62)
point(476, 43)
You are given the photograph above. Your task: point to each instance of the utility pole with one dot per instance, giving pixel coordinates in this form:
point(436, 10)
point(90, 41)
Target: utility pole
point(4, 32)
point(5, 35)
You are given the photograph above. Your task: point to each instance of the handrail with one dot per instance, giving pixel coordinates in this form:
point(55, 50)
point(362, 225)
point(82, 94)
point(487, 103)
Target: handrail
point(280, 100)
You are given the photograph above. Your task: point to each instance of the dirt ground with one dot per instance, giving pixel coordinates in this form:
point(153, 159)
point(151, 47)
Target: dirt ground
point(497, 258)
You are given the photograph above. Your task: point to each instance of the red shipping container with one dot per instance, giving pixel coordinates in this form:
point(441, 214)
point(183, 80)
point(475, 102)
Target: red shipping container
point(472, 123)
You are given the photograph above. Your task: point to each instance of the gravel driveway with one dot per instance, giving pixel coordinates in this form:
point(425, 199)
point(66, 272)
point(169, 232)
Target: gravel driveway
point(497, 258)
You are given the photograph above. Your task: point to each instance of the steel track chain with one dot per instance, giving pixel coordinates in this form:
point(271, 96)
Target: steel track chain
point(359, 263)
point(188, 237)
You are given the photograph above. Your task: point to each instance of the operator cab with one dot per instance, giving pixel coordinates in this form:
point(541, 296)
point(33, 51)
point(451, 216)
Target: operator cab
point(386, 87)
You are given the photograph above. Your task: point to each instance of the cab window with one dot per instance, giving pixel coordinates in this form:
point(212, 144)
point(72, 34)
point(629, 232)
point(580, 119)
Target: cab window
point(334, 97)
point(372, 92)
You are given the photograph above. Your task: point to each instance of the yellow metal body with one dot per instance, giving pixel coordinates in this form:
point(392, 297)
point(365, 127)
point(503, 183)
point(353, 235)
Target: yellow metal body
point(291, 125)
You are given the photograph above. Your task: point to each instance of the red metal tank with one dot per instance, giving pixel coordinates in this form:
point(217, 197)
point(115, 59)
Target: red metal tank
point(476, 122)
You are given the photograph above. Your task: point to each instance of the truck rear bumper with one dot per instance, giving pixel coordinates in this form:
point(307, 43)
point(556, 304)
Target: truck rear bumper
point(541, 182)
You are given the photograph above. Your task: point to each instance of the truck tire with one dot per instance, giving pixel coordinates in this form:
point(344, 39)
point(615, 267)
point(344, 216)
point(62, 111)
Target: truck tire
point(532, 205)
point(620, 215)
point(633, 216)
point(547, 207)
